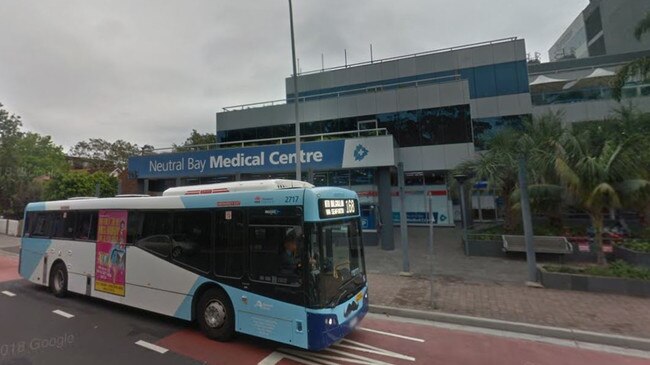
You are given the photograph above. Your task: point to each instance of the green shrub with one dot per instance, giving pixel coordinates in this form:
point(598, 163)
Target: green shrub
point(638, 245)
point(618, 269)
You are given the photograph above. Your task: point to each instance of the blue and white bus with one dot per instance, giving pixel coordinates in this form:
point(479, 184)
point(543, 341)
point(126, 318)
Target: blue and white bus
point(278, 259)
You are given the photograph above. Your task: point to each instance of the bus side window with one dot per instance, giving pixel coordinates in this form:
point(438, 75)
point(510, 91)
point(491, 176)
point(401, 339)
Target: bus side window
point(86, 226)
point(42, 225)
point(63, 226)
point(192, 239)
point(229, 242)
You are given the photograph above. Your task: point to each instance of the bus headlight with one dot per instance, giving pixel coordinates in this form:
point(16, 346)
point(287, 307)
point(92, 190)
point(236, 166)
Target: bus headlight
point(331, 321)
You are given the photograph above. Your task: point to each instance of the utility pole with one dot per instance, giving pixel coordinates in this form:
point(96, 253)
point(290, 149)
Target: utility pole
point(295, 97)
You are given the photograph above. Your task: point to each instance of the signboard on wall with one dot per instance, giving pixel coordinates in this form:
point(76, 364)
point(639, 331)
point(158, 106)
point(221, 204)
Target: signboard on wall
point(336, 154)
point(110, 256)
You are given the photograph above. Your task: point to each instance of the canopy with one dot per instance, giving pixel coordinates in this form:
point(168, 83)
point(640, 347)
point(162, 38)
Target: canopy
point(542, 79)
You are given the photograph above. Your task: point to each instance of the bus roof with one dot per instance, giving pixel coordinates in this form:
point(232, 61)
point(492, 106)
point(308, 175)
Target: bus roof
point(238, 186)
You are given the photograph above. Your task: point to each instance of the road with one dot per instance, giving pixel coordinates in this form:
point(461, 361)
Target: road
point(38, 328)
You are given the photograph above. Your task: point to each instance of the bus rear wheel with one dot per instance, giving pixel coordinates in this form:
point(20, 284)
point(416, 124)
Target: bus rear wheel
point(59, 280)
point(215, 315)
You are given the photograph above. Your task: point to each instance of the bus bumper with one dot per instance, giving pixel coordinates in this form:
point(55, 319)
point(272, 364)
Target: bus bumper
point(325, 329)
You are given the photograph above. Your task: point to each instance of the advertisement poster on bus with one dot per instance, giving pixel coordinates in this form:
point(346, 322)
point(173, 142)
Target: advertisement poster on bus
point(110, 258)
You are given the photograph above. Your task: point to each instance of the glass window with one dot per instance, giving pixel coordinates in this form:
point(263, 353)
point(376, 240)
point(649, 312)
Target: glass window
point(276, 254)
point(407, 129)
point(484, 81)
point(191, 241)
point(506, 78)
point(362, 177)
point(414, 178)
point(229, 243)
point(432, 128)
point(63, 226)
point(160, 245)
point(340, 178)
point(41, 225)
point(335, 262)
point(86, 226)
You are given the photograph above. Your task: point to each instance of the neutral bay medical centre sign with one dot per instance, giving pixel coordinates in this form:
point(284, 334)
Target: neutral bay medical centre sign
point(337, 154)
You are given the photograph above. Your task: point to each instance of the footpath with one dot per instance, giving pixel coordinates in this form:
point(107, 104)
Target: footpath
point(492, 288)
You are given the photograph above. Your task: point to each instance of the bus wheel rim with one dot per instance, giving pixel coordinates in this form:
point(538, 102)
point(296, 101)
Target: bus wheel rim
point(215, 314)
point(58, 280)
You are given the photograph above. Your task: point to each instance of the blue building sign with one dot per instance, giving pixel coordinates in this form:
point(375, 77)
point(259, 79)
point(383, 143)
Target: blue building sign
point(336, 154)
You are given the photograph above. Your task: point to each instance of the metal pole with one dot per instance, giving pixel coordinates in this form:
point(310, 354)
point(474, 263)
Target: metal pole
point(295, 99)
point(431, 265)
point(403, 225)
point(371, 60)
point(528, 222)
point(345, 54)
point(463, 213)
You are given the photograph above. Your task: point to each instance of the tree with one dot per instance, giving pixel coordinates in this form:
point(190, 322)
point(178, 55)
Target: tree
point(197, 139)
point(24, 156)
point(80, 183)
point(106, 156)
point(637, 68)
point(597, 177)
point(499, 166)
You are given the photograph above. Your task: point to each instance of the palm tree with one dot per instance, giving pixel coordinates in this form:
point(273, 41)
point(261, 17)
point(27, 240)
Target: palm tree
point(498, 165)
point(638, 68)
point(597, 178)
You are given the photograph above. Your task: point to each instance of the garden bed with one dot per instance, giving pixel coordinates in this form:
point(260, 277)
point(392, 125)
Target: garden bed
point(616, 278)
point(634, 253)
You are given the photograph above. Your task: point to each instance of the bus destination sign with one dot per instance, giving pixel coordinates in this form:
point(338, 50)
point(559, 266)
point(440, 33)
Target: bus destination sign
point(333, 208)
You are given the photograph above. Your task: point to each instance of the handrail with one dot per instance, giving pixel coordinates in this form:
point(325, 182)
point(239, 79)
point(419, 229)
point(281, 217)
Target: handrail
point(375, 132)
point(302, 99)
point(440, 50)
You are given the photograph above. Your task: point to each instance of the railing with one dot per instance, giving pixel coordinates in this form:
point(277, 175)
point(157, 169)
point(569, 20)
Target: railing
point(302, 99)
point(440, 50)
point(375, 132)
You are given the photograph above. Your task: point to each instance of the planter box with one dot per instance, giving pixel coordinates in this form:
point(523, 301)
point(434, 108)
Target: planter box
point(632, 257)
point(595, 284)
point(491, 248)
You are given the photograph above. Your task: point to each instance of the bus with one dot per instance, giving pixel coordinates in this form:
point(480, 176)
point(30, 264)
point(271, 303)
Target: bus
point(277, 259)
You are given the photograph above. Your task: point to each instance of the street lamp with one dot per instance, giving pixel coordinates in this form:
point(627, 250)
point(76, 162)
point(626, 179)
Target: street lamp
point(461, 178)
point(295, 96)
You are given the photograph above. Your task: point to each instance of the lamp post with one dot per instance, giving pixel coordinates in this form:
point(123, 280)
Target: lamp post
point(460, 178)
point(295, 96)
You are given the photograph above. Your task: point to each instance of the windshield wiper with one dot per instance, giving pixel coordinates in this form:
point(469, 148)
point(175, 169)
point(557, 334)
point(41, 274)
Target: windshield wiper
point(335, 301)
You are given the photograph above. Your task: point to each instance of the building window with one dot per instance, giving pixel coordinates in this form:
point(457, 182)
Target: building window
point(486, 128)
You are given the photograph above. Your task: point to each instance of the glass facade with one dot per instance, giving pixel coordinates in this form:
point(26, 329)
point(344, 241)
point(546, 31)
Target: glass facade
point(598, 92)
point(424, 127)
point(484, 81)
point(485, 128)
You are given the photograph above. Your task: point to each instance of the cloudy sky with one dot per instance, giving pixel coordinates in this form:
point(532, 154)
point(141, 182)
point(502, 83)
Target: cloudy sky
point(150, 71)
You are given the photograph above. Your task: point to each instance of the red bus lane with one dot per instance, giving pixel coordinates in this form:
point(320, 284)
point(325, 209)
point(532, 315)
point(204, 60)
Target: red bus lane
point(8, 268)
point(381, 341)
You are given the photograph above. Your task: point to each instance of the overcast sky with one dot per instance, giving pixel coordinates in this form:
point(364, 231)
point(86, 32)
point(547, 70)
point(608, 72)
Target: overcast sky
point(150, 71)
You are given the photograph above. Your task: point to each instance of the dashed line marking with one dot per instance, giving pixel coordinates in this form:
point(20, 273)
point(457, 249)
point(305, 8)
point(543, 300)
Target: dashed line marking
point(152, 347)
point(8, 293)
point(391, 334)
point(63, 314)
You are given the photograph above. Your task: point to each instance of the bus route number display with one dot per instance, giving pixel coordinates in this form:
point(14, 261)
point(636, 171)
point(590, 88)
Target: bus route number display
point(332, 208)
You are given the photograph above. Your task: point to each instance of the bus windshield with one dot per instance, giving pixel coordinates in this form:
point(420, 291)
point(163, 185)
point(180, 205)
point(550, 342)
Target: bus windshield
point(336, 263)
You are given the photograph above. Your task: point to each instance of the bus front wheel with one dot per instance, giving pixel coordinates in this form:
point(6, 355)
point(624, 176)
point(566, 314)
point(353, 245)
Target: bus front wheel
point(59, 280)
point(215, 315)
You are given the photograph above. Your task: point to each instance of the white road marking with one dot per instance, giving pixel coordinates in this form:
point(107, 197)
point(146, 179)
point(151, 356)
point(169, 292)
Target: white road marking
point(391, 334)
point(358, 346)
point(152, 347)
point(8, 293)
point(63, 314)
